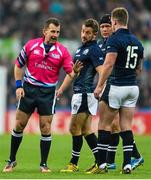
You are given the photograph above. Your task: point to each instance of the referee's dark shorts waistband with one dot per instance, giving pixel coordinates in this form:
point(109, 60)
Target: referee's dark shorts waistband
point(34, 86)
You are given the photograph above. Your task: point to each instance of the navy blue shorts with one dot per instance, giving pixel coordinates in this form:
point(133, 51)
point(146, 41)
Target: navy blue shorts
point(105, 94)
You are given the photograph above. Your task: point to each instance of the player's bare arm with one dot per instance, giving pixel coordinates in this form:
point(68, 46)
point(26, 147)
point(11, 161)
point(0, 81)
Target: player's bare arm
point(69, 78)
point(139, 67)
point(106, 71)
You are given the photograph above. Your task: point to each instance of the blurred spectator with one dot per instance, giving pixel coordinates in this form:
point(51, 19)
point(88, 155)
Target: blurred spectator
point(56, 8)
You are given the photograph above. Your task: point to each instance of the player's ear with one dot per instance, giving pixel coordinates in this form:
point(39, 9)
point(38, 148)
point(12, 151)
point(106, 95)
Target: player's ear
point(115, 22)
point(44, 31)
point(95, 34)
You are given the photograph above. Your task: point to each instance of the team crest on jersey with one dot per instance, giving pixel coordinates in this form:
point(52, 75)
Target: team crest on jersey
point(85, 52)
point(56, 56)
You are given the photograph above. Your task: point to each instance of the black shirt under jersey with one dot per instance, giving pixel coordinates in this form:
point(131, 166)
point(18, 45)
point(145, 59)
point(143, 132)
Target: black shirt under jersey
point(129, 52)
point(91, 57)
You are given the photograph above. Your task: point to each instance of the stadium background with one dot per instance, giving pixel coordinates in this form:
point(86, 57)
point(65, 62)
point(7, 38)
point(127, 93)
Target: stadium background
point(21, 20)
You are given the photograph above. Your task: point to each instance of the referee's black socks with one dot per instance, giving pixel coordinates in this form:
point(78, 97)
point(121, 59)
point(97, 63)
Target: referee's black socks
point(45, 143)
point(16, 139)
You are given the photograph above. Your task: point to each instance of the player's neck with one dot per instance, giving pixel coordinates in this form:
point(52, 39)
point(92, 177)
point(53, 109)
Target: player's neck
point(120, 27)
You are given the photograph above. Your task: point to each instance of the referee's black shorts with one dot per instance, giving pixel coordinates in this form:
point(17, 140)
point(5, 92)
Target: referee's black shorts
point(41, 98)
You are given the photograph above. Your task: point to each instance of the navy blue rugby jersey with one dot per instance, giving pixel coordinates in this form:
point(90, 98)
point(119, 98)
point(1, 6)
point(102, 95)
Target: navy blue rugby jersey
point(102, 45)
point(91, 57)
point(130, 52)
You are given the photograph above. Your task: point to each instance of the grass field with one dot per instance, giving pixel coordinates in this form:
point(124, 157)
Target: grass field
point(28, 160)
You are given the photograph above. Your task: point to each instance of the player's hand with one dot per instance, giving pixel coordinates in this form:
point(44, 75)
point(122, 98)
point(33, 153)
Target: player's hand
point(98, 92)
point(20, 93)
point(59, 93)
point(77, 67)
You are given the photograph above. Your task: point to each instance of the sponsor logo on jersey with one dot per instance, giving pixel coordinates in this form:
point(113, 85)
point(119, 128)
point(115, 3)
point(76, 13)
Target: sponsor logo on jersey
point(103, 49)
point(77, 55)
point(55, 56)
point(37, 52)
point(100, 58)
point(78, 50)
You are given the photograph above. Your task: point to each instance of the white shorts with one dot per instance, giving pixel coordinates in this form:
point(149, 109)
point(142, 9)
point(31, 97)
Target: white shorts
point(84, 103)
point(123, 96)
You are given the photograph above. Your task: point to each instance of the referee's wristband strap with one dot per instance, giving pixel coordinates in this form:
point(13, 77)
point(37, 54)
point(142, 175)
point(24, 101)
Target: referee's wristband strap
point(18, 84)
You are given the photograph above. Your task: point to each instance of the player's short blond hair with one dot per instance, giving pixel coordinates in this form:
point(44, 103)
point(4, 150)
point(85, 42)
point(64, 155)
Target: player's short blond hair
point(121, 15)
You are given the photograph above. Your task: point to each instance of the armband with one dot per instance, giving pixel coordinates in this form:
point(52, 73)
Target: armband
point(18, 84)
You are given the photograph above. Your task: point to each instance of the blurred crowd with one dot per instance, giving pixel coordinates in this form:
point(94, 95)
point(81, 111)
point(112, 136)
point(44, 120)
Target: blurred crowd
point(23, 20)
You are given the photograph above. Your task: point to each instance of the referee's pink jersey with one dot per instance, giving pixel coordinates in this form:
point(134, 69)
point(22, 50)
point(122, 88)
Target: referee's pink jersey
point(42, 69)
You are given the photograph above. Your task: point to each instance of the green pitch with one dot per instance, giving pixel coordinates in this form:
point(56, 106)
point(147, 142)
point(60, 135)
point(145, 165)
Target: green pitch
point(28, 159)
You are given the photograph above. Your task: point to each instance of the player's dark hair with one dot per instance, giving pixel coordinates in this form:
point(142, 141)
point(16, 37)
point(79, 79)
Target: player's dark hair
point(121, 15)
point(105, 19)
point(49, 21)
point(93, 24)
